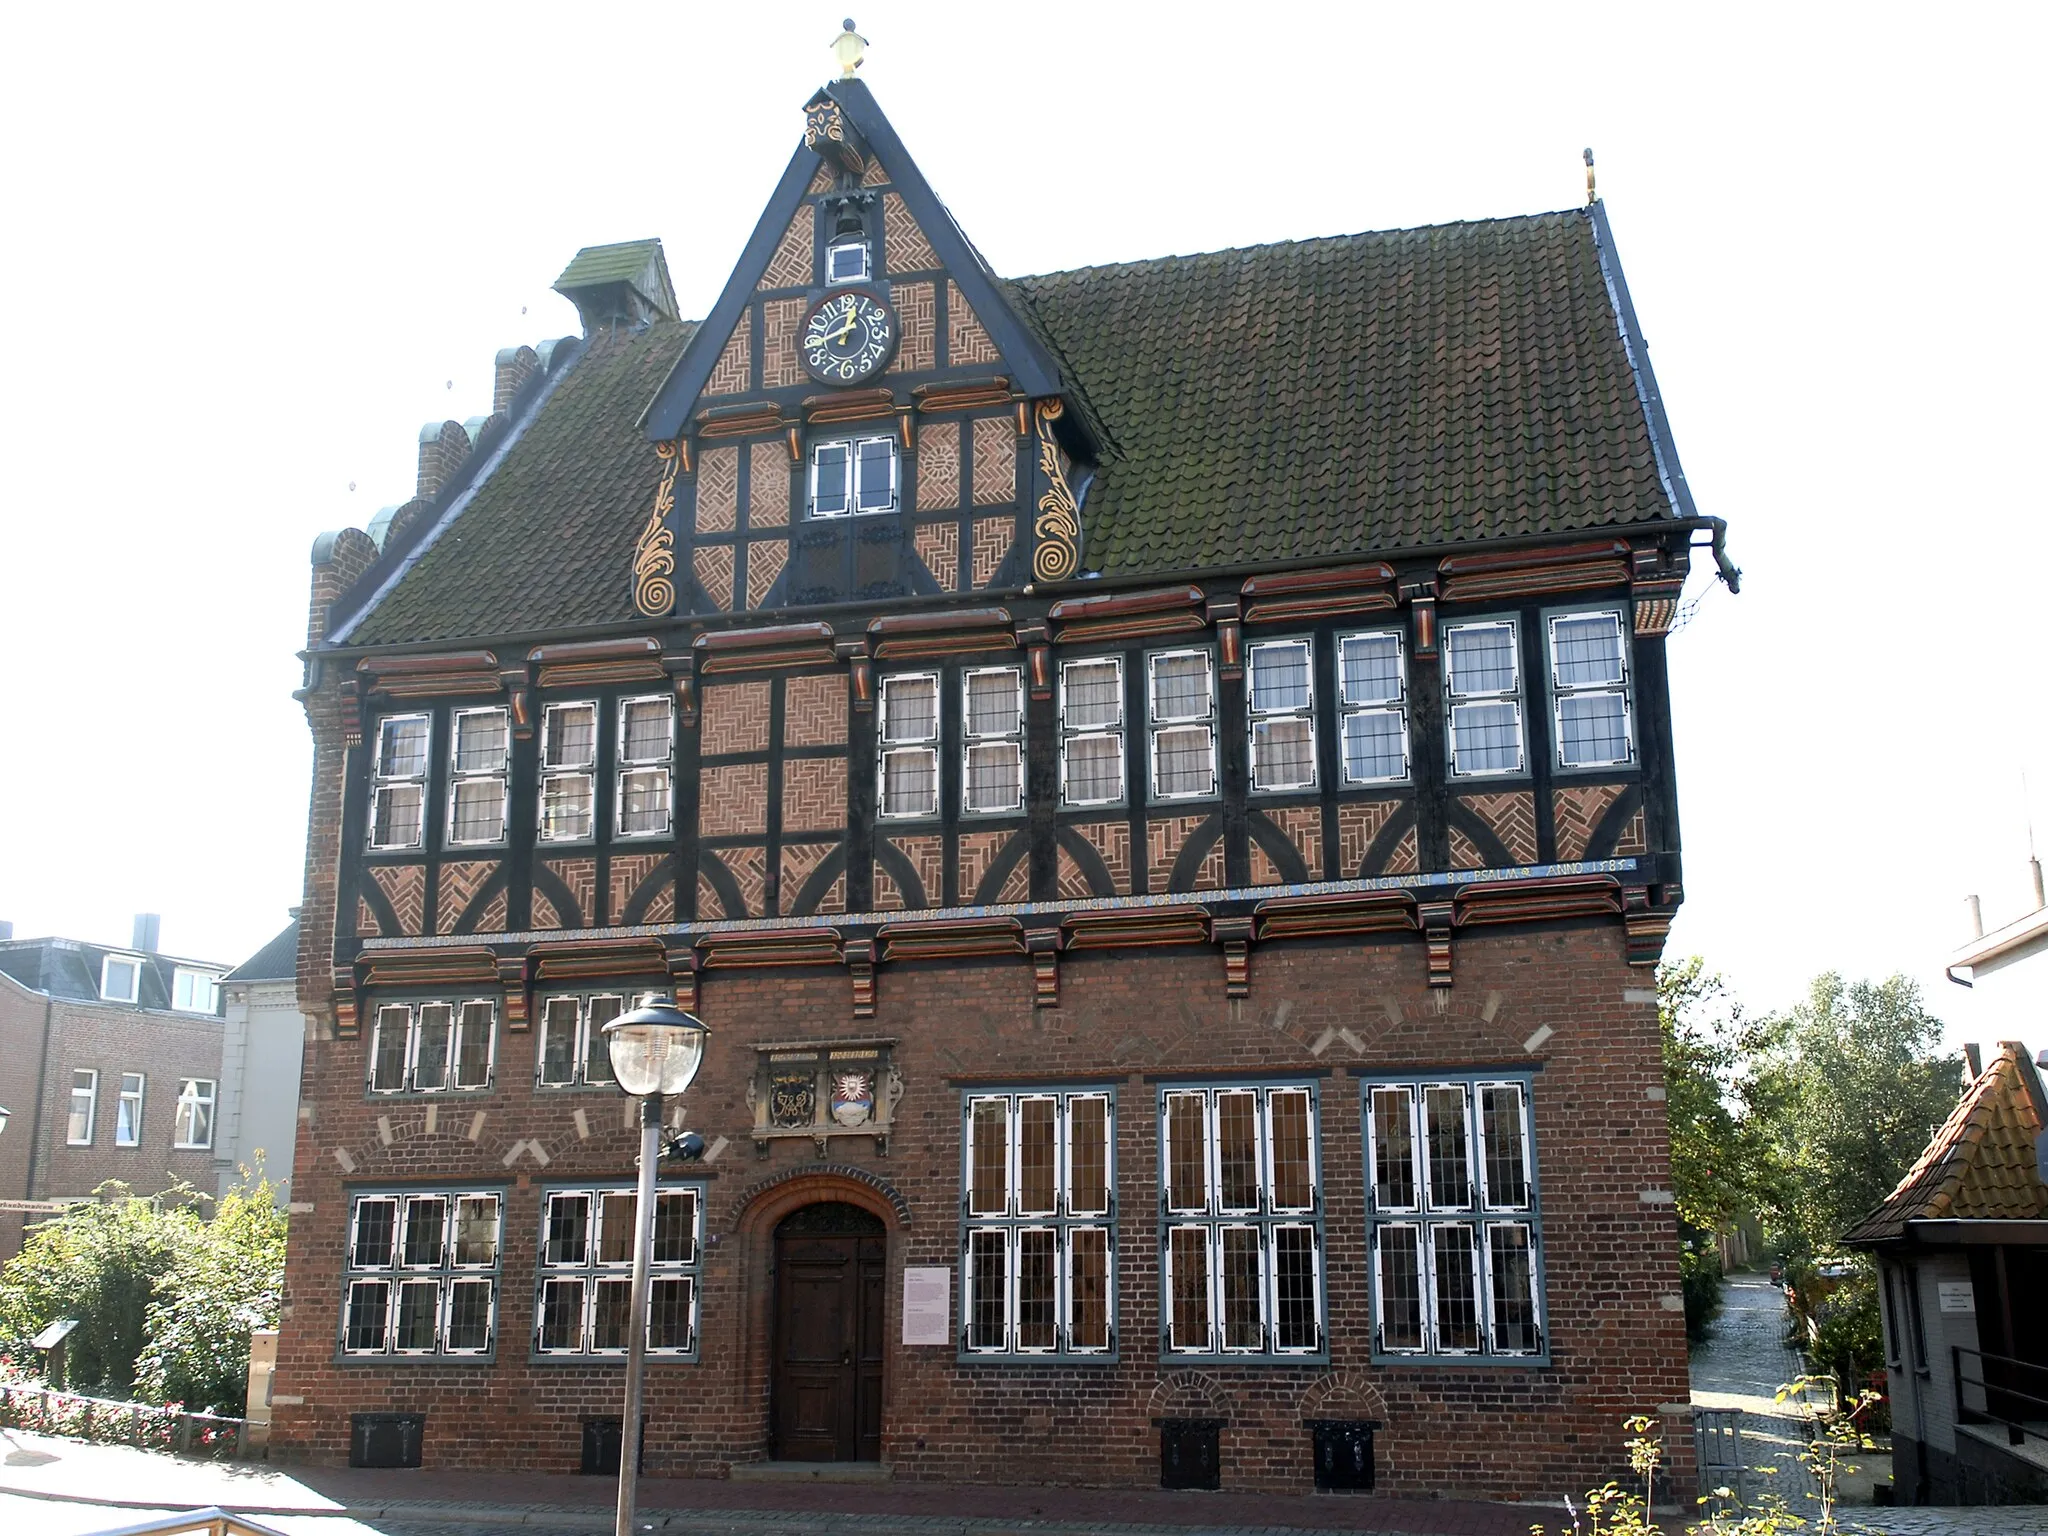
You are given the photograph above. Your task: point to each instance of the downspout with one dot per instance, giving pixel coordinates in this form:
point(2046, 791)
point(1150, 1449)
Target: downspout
point(35, 1129)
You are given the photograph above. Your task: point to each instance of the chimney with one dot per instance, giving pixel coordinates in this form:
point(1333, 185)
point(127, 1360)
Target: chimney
point(1973, 1061)
point(1975, 908)
point(147, 925)
point(6, 930)
point(2040, 896)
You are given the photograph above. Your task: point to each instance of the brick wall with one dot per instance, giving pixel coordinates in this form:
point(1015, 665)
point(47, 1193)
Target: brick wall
point(21, 1060)
point(1617, 1337)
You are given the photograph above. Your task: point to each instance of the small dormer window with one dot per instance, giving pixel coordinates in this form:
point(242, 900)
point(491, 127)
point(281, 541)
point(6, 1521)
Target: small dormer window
point(846, 261)
point(120, 979)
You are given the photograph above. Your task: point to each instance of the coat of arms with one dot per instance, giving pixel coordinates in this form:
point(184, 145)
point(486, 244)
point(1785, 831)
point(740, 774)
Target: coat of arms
point(793, 1098)
point(853, 1097)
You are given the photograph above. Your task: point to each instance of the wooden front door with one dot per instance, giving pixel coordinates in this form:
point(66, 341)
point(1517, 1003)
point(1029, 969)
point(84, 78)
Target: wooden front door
point(827, 1381)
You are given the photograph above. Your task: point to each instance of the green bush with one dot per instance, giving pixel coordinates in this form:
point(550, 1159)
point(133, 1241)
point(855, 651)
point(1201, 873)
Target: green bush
point(1699, 1274)
point(1848, 1342)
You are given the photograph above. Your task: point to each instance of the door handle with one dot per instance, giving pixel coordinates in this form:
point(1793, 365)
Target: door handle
point(846, 1357)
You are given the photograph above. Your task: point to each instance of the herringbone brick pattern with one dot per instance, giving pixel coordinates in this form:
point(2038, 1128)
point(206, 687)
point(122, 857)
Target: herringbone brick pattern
point(874, 175)
point(978, 851)
point(366, 921)
point(814, 711)
point(709, 908)
point(1406, 859)
point(492, 918)
point(1512, 817)
point(925, 855)
point(813, 794)
point(917, 309)
point(791, 265)
point(459, 884)
point(1465, 853)
point(405, 887)
point(1017, 887)
point(1303, 825)
point(1072, 884)
point(888, 896)
point(735, 719)
point(799, 862)
point(1358, 823)
point(824, 181)
point(1577, 812)
point(1165, 837)
point(1635, 837)
point(995, 461)
point(749, 868)
point(713, 564)
point(768, 485)
point(627, 871)
point(938, 466)
point(967, 343)
point(907, 248)
point(938, 546)
point(661, 906)
point(993, 537)
point(765, 560)
point(781, 319)
point(733, 800)
point(718, 489)
point(734, 373)
point(580, 875)
point(1111, 839)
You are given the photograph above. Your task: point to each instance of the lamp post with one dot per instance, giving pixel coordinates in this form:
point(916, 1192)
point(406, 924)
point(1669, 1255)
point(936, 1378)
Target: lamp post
point(655, 1051)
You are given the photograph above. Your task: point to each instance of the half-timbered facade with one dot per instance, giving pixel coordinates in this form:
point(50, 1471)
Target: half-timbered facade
point(1159, 779)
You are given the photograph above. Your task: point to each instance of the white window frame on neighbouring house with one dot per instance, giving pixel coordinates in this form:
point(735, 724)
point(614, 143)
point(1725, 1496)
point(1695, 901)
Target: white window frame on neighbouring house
point(479, 774)
point(1278, 714)
point(192, 1131)
point(1479, 705)
point(854, 477)
point(991, 741)
point(1187, 733)
point(583, 1296)
point(644, 805)
point(1585, 684)
point(398, 779)
point(195, 991)
point(128, 1111)
point(568, 774)
point(85, 1105)
point(109, 966)
point(421, 1272)
point(1091, 730)
point(907, 747)
point(1372, 706)
point(440, 1045)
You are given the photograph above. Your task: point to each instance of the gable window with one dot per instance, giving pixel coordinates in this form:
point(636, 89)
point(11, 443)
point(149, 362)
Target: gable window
point(193, 1130)
point(1589, 684)
point(1241, 1262)
point(1483, 678)
point(846, 261)
point(572, 1047)
point(568, 764)
point(433, 1047)
point(422, 1273)
point(1283, 718)
point(646, 737)
point(1183, 708)
point(908, 740)
point(853, 475)
point(1038, 1251)
point(1373, 683)
point(85, 1099)
point(476, 780)
point(399, 789)
point(585, 1304)
point(992, 770)
point(1092, 731)
point(128, 1113)
point(120, 978)
point(194, 991)
point(1454, 1232)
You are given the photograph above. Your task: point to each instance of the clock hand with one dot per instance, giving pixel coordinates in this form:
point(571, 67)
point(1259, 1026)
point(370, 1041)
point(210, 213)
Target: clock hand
point(845, 330)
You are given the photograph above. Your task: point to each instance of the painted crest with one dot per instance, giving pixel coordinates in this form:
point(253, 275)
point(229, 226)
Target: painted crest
point(793, 1099)
point(853, 1097)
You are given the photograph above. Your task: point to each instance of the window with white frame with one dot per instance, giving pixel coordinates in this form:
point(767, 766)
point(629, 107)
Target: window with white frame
point(1281, 701)
point(1452, 1212)
point(85, 1102)
point(853, 475)
point(1483, 678)
point(992, 749)
point(1183, 719)
point(572, 1044)
point(1372, 683)
point(120, 979)
point(1241, 1262)
point(398, 792)
point(907, 740)
point(646, 747)
point(585, 1304)
point(1092, 731)
point(1038, 1249)
point(477, 771)
point(128, 1113)
point(193, 1129)
point(422, 1273)
point(195, 991)
point(846, 261)
point(1589, 686)
point(568, 769)
point(433, 1047)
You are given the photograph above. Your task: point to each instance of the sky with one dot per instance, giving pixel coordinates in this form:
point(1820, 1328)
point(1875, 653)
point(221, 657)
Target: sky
point(249, 251)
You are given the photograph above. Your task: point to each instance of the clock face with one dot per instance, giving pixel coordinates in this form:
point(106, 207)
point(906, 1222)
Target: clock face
point(848, 336)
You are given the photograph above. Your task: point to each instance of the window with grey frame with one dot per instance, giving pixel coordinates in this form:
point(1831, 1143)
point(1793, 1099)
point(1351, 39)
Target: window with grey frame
point(907, 746)
point(568, 772)
point(1483, 697)
point(398, 789)
point(1454, 1230)
point(433, 1047)
point(1038, 1242)
point(1589, 689)
point(584, 1301)
point(477, 769)
point(1280, 699)
point(1092, 731)
point(1181, 706)
point(422, 1272)
point(1372, 688)
point(572, 1044)
point(646, 748)
point(1241, 1269)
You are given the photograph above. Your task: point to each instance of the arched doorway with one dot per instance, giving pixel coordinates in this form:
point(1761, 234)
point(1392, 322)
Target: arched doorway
point(825, 1377)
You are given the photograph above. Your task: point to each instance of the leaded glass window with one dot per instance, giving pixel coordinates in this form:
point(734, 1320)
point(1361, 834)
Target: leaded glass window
point(1482, 678)
point(421, 1273)
point(584, 1300)
point(1589, 686)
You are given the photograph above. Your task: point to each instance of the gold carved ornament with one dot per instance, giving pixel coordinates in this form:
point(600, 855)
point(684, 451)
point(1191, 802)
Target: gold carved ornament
point(1058, 527)
point(654, 560)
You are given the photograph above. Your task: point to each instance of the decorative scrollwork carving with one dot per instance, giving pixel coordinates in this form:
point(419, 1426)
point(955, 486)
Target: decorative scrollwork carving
point(1058, 526)
point(654, 560)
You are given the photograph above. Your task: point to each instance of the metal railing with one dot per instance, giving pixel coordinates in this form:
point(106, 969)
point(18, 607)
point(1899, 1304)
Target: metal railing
point(2000, 1397)
point(1717, 1452)
point(213, 1521)
point(107, 1421)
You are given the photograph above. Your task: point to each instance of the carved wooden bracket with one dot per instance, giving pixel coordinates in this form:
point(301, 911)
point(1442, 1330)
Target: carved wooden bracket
point(1229, 639)
point(1235, 935)
point(683, 671)
point(1436, 933)
point(860, 961)
point(1646, 926)
point(519, 703)
point(345, 1002)
point(512, 977)
point(1043, 946)
point(682, 974)
point(1421, 599)
point(1038, 650)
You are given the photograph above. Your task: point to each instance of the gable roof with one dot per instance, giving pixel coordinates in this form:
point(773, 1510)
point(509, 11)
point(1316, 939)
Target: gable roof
point(1982, 1163)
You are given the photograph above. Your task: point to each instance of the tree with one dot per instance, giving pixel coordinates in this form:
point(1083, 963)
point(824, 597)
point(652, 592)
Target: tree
point(221, 1288)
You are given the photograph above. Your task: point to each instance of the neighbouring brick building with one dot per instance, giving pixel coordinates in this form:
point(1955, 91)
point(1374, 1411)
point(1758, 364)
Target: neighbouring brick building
point(1159, 778)
point(110, 1067)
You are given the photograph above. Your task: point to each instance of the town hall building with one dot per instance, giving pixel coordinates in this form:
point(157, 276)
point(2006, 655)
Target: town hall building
point(1159, 780)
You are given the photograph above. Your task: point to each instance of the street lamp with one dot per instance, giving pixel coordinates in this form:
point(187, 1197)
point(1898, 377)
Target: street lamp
point(655, 1051)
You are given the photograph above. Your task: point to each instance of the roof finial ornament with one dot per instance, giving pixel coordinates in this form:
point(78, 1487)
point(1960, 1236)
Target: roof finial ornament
point(849, 48)
point(1592, 196)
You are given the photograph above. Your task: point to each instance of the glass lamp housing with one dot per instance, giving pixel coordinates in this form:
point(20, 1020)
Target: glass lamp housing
point(656, 1049)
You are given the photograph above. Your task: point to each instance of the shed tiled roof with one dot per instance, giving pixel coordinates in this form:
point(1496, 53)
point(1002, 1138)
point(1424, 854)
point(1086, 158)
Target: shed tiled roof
point(1981, 1163)
point(276, 961)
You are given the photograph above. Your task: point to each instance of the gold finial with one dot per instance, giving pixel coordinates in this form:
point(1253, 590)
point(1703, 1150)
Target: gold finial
point(1592, 196)
point(849, 48)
